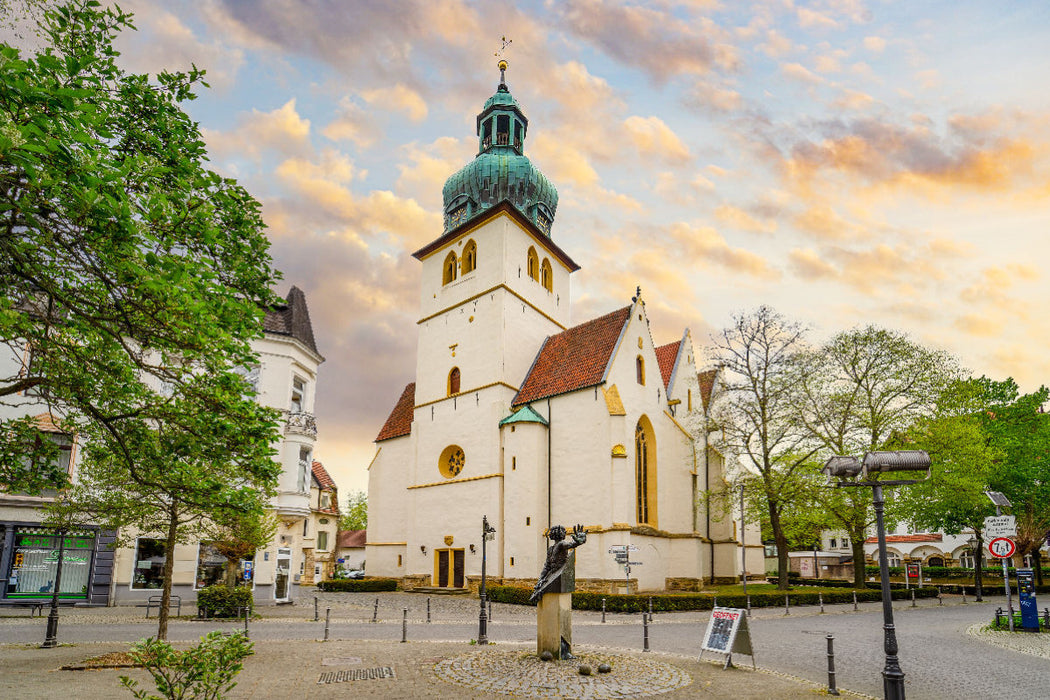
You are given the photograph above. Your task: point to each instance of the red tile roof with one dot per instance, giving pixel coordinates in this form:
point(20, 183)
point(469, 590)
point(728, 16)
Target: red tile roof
point(324, 480)
point(666, 355)
point(707, 385)
point(399, 422)
point(574, 359)
point(351, 538)
point(931, 537)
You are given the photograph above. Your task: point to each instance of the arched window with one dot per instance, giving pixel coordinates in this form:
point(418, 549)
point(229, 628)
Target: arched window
point(534, 264)
point(470, 257)
point(451, 268)
point(893, 559)
point(966, 559)
point(639, 366)
point(451, 461)
point(547, 275)
point(645, 472)
point(453, 381)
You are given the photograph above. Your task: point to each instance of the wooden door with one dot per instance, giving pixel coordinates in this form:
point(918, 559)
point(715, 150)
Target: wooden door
point(458, 560)
point(442, 568)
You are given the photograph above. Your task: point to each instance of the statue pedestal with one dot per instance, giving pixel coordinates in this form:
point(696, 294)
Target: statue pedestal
point(554, 623)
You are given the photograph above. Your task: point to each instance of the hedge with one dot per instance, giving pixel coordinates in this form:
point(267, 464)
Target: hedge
point(948, 571)
point(361, 585)
point(697, 601)
point(222, 601)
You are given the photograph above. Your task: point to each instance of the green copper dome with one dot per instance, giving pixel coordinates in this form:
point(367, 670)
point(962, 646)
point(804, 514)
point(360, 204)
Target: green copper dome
point(500, 171)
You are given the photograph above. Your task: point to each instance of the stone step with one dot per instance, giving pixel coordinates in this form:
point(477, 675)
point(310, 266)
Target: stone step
point(438, 590)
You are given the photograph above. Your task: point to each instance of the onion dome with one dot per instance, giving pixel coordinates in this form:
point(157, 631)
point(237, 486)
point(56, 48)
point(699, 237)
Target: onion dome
point(500, 171)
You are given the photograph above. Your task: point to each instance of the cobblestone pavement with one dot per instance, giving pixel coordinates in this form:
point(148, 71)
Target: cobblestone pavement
point(1034, 644)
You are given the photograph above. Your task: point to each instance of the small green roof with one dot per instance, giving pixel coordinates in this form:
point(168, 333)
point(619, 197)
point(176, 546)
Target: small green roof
point(525, 414)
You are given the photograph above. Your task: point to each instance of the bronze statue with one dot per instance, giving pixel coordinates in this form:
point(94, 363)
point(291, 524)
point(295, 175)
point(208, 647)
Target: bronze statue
point(557, 558)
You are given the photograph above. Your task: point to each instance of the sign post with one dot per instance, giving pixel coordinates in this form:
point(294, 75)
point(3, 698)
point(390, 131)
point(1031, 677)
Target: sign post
point(622, 554)
point(1004, 548)
point(914, 571)
point(727, 632)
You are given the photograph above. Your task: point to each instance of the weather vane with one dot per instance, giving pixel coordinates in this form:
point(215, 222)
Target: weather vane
point(505, 42)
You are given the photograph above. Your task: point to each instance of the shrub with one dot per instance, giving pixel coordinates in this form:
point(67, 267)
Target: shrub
point(223, 601)
point(203, 672)
point(363, 585)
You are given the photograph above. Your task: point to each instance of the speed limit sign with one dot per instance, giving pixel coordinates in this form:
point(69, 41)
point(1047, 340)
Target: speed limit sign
point(1002, 547)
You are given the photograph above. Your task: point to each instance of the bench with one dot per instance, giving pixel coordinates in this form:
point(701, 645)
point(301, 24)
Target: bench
point(36, 606)
point(155, 601)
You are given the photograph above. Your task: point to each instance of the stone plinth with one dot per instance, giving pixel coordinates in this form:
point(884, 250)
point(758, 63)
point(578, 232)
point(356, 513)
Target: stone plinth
point(553, 623)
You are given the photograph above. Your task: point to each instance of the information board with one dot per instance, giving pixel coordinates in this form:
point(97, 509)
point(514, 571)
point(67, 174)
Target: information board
point(1000, 526)
point(727, 633)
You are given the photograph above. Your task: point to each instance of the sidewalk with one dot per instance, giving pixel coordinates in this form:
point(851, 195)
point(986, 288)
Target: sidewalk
point(293, 670)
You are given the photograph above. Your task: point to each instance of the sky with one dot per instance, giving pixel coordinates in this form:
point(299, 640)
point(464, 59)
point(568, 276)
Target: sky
point(847, 162)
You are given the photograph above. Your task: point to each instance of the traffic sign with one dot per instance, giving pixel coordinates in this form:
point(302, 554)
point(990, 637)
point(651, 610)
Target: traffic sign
point(1000, 526)
point(1002, 547)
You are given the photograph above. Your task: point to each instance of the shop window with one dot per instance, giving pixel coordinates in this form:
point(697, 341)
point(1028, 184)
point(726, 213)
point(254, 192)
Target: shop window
point(453, 381)
point(533, 265)
point(322, 541)
point(547, 276)
point(470, 257)
point(212, 565)
point(34, 562)
point(450, 270)
point(149, 563)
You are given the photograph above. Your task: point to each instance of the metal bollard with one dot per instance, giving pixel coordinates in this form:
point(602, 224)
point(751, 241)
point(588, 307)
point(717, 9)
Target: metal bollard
point(998, 614)
point(246, 635)
point(964, 595)
point(715, 603)
point(490, 610)
point(854, 601)
point(316, 616)
point(832, 690)
point(327, 619)
point(749, 606)
point(645, 632)
point(404, 625)
point(820, 597)
point(650, 608)
point(913, 597)
point(428, 611)
point(375, 611)
point(940, 600)
point(603, 609)
point(787, 604)
point(1046, 618)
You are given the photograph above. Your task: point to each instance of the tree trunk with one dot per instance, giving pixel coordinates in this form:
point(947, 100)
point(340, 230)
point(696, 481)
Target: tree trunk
point(856, 540)
point(780, 538)
point(978, 562)
point(230, 578)
point(169, 567)
point(1037, 564)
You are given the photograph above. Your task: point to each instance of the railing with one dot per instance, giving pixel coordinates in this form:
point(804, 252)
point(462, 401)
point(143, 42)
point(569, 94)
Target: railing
point(301, 423)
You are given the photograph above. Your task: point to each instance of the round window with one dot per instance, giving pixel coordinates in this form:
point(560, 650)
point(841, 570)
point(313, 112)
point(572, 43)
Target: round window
point(451, 461)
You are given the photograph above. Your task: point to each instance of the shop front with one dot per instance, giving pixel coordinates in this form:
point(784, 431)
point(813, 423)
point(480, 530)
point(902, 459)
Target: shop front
point(30, 556)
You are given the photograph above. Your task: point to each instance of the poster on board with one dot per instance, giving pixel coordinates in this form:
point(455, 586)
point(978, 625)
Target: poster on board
point(727, 633)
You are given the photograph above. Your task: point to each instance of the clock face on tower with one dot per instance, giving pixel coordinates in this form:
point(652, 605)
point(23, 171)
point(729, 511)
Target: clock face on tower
point(458, 216)
point(544, 223)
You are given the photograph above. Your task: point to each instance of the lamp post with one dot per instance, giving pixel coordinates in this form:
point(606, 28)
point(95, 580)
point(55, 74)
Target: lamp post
point(51, 636)
point(743, 549)
point(846, 469)
point(976, 545)
point(483, 620)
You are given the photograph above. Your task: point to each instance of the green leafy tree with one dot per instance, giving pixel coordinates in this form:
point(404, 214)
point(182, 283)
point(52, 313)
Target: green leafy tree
point(203, 672)
point(238, 535)
point(356, 515)
point(758, 417)
point(856, 392)
point(127, 268)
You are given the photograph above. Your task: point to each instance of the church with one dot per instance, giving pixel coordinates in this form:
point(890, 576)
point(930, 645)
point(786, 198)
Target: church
point(519, 416)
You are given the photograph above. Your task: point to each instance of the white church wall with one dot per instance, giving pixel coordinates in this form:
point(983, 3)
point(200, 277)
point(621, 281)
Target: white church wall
point(388, 477)
point(525, 498)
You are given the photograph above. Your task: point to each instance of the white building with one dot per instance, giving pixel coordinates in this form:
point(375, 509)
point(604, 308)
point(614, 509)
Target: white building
point(521, 416)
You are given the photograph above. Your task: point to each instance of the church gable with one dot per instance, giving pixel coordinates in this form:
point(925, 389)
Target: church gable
point(667, 358)
point(573, 359)
point(399, 423)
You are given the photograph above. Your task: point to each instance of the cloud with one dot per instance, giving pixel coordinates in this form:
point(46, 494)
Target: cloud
point(715, 98)
point(806, 263)
point(703, 245)
point(353, 123)
point(796, 71)
point(423, 170)
point(281, 131)
point(398, 98)
point(874, 44)
point(744, 221)
point(776, 45)
point(811, 19)
point(654, 139)
point(853, 100)
point(981, 326)
point(821, 221)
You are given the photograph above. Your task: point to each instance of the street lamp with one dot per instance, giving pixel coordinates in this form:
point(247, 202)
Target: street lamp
point(976, 547)
point(51, 636)
point(483, 621)
point(842, 471)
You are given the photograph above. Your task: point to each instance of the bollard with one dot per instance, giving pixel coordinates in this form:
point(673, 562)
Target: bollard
point(327, 619)
point(316, 617)
point(787, 605)
point(645, 632)
point(1046, 618)
point(749, 606)
point(428, 611)
point(246, 636)
point(375, 612)
point(998, 614)
point(603, 609)
point(854, 601)
point(913, 597)
point(940, 600)
point(404, 625)
point(490, 611)
point(832, 690)
point(650, 608)
point(820, 597)
point(964, 595)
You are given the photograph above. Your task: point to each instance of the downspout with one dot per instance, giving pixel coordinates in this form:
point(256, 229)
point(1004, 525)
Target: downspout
point(549, 422)
point(707, 502)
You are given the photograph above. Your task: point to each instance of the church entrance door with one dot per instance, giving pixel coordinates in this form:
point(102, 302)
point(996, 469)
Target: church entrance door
point(448, 568)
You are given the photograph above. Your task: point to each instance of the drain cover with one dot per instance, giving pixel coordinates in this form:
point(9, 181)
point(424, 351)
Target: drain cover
point(362, 674)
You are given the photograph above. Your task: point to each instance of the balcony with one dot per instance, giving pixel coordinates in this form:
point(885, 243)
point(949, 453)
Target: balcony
point(300, 423)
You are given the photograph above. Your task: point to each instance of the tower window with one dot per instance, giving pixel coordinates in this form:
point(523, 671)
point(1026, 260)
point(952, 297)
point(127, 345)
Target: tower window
point(470, 257)
point(639, 365)
point(486, 134)
point(503, 130)
point(451, 268)
point(453, 381)
point(547, 276)
point(517, 134)
point(533, 266)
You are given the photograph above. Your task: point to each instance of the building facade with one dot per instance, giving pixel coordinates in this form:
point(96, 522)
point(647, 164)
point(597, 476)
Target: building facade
point(518, 415)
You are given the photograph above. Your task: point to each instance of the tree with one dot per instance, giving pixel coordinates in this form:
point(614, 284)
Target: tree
point(758, 414)
point(856, 391)
point(126, 267)
point(356, 515)
point(239, 535)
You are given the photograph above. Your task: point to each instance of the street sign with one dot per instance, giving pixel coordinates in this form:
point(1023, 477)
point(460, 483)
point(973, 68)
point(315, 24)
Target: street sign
point(622, 548)
point(1000, 526)
point(634, 563)
point(1002, 547)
